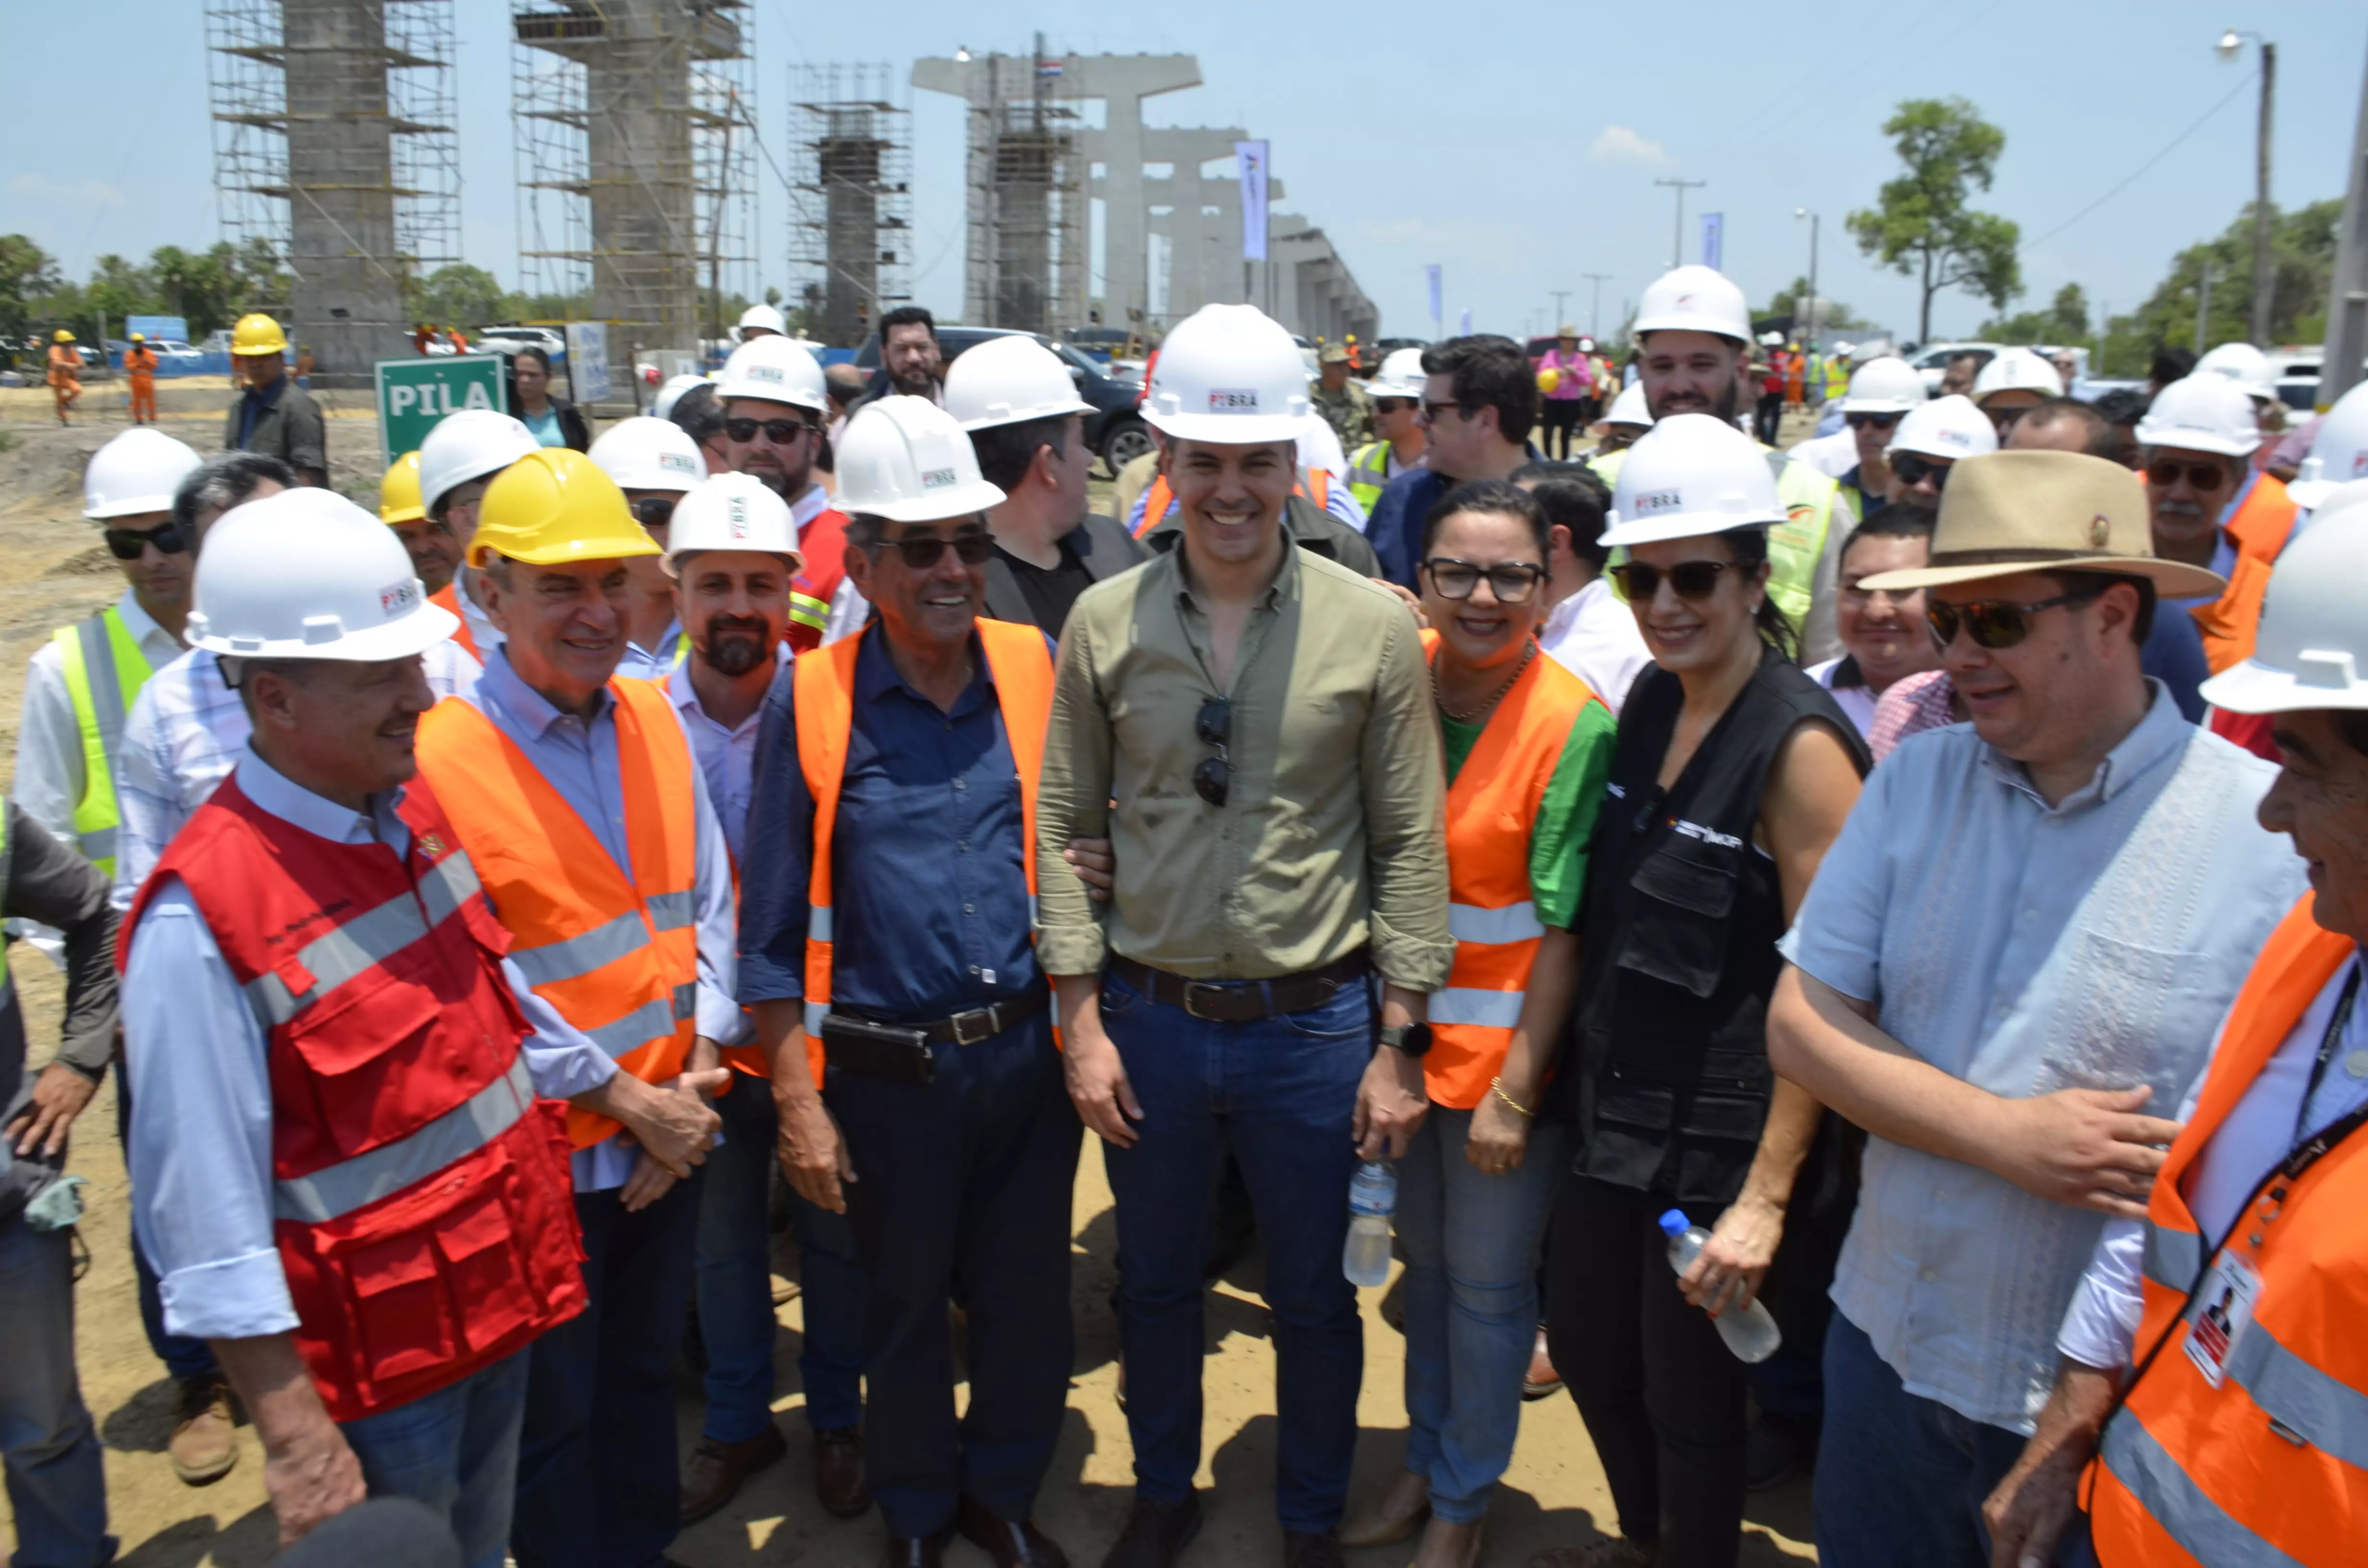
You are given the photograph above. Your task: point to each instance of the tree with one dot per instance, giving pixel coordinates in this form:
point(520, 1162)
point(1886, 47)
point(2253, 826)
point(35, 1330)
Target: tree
point(2064, 322)
point(1921, 226)
point(27, 274)
point(457, 295)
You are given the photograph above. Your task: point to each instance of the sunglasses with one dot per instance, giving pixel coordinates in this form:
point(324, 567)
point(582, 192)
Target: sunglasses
point(1434, 412)
point(1992, 623)
point(780, 432)
point(127, 544)
point(1214, 724)
point(1869, 421)
point(1688, 579)
point(654, 511)
point(1914, 470)
point(925, 551)
point(2200, 476)
point(1392, 404)
point(1511, 581)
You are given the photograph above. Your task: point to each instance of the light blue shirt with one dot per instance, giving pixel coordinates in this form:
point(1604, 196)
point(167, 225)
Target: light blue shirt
point(2017, 946)
point(200, 1140)
point(726, 758)
point(656, 663)
point(581, 764)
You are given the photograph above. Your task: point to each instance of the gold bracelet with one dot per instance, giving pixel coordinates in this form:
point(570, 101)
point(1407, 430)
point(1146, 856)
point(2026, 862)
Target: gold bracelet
point(1498, 1084)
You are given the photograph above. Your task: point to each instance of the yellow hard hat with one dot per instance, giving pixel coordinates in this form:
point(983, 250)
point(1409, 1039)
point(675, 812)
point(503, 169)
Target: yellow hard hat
point(1549, 379)
point(64, 335)
point(398, 492)
point(554, 506)
point(139, 338)
point(257, 333)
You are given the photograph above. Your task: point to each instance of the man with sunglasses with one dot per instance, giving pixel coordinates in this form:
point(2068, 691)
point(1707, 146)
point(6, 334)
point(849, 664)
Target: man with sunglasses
point(886, 914)
point(1928, 440)
point(772, 403)
point(1260, 717)
point(1478, 404)
point(2212, 507)
point(2015, 382)
point(2013, 961)
point(1399, 439)
point(656, 465)
point(1881, 392)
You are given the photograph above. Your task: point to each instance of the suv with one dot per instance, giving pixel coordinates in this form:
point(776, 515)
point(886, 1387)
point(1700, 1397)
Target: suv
point(1114, 430)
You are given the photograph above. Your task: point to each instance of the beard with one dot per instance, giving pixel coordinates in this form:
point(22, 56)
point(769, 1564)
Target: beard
point(1915, 505)
point(1724, 408)
point(735, 645)
point(920, 383)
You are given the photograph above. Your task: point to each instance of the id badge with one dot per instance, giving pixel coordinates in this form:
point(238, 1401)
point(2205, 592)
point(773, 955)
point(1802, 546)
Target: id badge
point(2227, 1299)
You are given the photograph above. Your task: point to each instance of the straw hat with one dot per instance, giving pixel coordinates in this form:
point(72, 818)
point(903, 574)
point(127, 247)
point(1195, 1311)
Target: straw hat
point(2005, 513)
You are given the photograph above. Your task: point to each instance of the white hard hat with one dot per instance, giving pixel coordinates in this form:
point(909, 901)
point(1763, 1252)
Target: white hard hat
point(1945, 427)
point(469, 445)
point(2203, 414)
point(762, 318)
point(135, 472)
point(2312, 648)
point(1771, 339)
point(1885, 385)
point(1874, 348)
point(1693, 299)
point(905, 460)
point(731, 511)
point(671, 393)
point(2243, 364)
point(1005, 381)
point(1230, 374)
point(307, 575)
point(1689, 475)
point(2016, 369)
point(1629, 407)
point(1401, 375)
point(2339, 450)
point(778, 369)
point(646, 453)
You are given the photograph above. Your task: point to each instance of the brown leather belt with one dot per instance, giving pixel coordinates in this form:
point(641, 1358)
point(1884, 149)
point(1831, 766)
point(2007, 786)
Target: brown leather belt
point(1244, 1001)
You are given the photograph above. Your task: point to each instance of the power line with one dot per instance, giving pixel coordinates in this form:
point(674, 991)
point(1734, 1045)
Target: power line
point(2168, 149)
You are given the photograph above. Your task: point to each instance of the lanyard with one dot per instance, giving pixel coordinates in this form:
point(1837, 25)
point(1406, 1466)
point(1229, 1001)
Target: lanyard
point(2339, 1020)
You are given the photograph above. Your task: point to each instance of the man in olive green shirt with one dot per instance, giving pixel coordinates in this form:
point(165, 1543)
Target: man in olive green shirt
point(1259, 715)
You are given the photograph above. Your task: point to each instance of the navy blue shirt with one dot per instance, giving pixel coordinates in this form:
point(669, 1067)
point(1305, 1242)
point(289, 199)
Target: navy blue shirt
point(252, 403)
point(928, 884)
point(1395, 530)
point(2173, 655)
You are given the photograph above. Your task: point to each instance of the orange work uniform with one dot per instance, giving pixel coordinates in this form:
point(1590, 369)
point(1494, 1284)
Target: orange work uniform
point(65, 377)
point(140, 364)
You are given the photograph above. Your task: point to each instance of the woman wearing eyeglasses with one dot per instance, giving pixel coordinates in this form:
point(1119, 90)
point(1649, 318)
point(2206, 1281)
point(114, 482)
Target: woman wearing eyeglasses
point(1527, 745)
point(1731, 774)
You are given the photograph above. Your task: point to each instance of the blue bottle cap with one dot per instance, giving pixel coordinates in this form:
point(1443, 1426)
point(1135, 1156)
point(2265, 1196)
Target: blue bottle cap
point(1673, 1222)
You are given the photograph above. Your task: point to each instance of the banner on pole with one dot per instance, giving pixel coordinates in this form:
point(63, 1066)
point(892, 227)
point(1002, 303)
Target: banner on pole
point(1252, 157)
point(1438, 308)
point(587, 360)
point(1714, 239)
point(1464, 329)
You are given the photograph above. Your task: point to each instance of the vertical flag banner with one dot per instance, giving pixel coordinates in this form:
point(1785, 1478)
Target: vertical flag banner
point(1251, 155)
point(1714, 239)
point(1438, 306)
point(1464, 329)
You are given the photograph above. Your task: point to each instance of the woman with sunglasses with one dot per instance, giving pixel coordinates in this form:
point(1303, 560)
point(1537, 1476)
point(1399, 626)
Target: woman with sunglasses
point(1527, 745)
point(1731, 774)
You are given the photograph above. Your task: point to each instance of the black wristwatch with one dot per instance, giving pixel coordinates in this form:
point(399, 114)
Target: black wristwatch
point(1410, 1039)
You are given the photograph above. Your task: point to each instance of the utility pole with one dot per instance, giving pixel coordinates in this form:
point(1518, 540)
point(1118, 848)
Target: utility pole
point(2264, 278)
point(1678, 233)
point(1799, 213)
point(2203, 306)
point(1594, 303)
point(1560, 295)
point(2346, 298)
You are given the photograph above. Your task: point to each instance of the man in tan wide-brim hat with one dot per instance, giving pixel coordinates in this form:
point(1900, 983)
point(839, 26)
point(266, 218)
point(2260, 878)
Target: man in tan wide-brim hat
point(2013, 961)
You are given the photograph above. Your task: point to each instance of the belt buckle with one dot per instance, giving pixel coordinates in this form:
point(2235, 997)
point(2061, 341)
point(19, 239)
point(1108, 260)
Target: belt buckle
point(1193, 988)
point(980, 1018)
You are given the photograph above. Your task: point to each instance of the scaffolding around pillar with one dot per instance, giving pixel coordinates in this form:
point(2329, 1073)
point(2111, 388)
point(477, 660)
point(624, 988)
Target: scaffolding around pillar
point(851, 237)
point(1025, 255)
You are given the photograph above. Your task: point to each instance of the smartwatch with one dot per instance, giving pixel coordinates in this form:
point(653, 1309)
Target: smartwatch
point(1411, 1040)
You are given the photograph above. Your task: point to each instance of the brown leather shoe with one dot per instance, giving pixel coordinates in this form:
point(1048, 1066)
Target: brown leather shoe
point(712, 1477)
point(839, 1473)
point(917, 1552)
point(204, 1445)
point(1012, 1543)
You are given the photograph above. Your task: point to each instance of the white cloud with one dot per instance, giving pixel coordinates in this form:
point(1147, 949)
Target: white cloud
point(1616, 144)
point(83, 193)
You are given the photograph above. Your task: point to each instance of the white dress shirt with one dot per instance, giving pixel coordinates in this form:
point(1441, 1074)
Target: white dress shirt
point(1593, 635)
point(1854, 699)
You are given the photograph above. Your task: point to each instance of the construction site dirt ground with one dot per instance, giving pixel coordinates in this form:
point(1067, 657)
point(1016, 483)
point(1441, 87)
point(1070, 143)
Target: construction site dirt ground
point(1554, 1494)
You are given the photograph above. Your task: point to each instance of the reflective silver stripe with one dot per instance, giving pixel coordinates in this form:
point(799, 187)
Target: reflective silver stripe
point(686, 1001)
point(2173, 1258)
point(99, 843)
point(353, 1184)
point(818, 923)
point(2330, 1416)
point(366, 940)
point(1465, 1005)
point(650, 1021)
point(2193, 1520)
point(584, 952)
point(814, 1013)
point(1495, 927)
point(673, 911)
point(105, 684)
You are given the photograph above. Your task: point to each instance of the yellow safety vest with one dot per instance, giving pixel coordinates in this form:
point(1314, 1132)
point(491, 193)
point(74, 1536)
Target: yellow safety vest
point(1794, 545)
point(1369, 474)
point(104, 671)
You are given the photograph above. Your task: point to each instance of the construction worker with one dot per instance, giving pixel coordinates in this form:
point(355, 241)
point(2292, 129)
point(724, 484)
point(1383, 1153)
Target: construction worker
point(139, 366)
point(435, 552)
point(459, 339)
point(2015, 379)
point(576, 796)
point(2210, 1362)
point(757, 320)
point(65, 372)
point(1624, 421)
point(1356, 356)
point(273, 414)
point(770, 391)
point(1341, 401)
point(1400, 440)
point(1026, 427)
point(1882, 392)
point(656, 464)
point(2211, 507)
point(1796, 371)
point(457, 459)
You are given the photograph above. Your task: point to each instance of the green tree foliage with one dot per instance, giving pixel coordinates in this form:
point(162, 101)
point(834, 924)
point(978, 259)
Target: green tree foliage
point(1921, 226)
point(458, 295)
point(2064, 322)
point(27, 275)
point(2302, 254)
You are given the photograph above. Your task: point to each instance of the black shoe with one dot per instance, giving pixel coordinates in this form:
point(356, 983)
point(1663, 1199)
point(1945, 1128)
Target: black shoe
point(1311, 1549)
point(1778, 1450)
point(1156, 1533)
point(920, 1552)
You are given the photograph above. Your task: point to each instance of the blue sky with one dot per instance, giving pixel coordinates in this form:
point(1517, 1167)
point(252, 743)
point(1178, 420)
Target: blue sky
point(1514, 144)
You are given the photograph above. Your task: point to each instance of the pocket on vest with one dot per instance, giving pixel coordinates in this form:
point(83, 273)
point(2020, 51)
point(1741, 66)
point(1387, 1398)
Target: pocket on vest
point(1677, 932)
point(357, 1050)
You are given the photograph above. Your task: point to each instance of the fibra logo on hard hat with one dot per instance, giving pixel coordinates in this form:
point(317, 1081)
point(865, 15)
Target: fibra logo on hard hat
point(397, 598)
point(679, 464)
point(1658, 501)
point(1956, 438)
point(764, 372)
point(737, 523)
point(937, 478)
point(1242, 402)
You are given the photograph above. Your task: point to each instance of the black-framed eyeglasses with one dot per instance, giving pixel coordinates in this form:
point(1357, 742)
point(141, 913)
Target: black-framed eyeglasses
point(1914, 470)
point(1869, 421)
point(1212, 781)
point(1992, 623)
point(654, 511)
point(1432, 411)
point(926, 551)
point(126, 544)
point(1511, 581)
point(780, 432)
point(1688, 579)
point(2207, 477)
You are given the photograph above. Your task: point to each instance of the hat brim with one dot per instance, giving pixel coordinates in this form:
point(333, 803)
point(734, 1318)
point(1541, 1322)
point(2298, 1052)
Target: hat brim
point(416, 633)
point(2193, 441)
point(402, 515)
point(963, 501)
point(673, 560)
point(1878, 405)
point(1683, 524)
point(2172, 579)
point(2253, 686)
point(1227, 429)
point(2309, 494)
point(567, 551)
point(1058, 411)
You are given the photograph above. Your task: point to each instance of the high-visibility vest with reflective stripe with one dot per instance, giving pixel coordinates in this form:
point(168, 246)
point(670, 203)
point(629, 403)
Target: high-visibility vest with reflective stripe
point(822, 544)
point(104, 670)
point(1369, 474)
point(422, 1205)
point(1492, 811)
point(2258, 528)
point(825, 694)
point(2271, 1467)
point(1794, 545)
point(1314, 483)
point(614, 948)
point(449, 596)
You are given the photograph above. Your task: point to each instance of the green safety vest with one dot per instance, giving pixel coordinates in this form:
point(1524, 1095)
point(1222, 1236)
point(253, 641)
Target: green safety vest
point(1794, 545)
point(104, 671)
point(1369, 474)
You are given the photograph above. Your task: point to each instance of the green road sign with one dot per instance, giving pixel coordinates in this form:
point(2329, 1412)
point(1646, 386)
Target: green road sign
point(413, 394)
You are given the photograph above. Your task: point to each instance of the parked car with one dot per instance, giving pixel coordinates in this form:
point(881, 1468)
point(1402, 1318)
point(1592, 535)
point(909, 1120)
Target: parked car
point(1114, 430)
point(1932, 361)
point(509, 339)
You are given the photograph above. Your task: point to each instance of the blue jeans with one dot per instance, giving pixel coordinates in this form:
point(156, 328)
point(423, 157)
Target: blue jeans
point(1902, 1478)
point(183, 1358)
point(456, 1451)
point(47, 1444)
point(1280, 1095)
point(1471, 1246)
point(735, 1287)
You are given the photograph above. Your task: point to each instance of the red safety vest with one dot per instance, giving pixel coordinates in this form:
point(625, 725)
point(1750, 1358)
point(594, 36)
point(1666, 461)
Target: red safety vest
point(1313, 483)
point(823, 545)
point(421, 1194)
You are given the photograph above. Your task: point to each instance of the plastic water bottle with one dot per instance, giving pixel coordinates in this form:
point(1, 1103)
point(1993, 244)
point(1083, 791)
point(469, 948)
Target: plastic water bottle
point(1372, 1198)
point(1749, 1332)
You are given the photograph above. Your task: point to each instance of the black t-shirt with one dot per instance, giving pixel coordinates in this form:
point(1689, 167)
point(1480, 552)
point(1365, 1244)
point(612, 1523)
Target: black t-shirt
point(1049, 591)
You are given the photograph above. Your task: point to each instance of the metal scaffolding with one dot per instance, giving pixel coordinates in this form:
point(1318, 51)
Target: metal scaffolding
point(852, 236)
point(1025, 255)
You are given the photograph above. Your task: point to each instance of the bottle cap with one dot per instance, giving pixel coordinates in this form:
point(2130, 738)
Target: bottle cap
point(1673, 1222)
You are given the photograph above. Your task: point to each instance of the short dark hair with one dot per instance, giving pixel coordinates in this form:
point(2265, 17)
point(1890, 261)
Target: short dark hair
point(1496, 497)
point(907, 315)
point(2123, 405)
point(1892, 522)
point(1489, 372)
point(223, 480)
point(2171, 363)
point(698, 412)
point(865, 530)
point(2089, 584)
point(1579, 507)
point(2099, 438)
point(1005, 452)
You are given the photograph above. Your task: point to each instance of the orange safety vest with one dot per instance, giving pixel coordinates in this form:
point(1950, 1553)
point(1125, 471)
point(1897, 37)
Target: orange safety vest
point(616, 954)
point(2230, 623)
point(141, 364)
point(2272, 1465)
point(825, 692)
point(1492, 807)
point(449, 597)
point(1314, 483)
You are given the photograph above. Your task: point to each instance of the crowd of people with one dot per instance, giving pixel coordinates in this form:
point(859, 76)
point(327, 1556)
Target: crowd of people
point(1909, 885)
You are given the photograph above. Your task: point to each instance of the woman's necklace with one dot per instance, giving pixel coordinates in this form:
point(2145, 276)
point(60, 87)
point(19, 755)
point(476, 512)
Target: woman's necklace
point(1477, 714)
